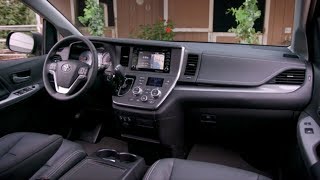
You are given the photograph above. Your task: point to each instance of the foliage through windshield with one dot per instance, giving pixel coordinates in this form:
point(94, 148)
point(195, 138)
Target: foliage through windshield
point(261, 22)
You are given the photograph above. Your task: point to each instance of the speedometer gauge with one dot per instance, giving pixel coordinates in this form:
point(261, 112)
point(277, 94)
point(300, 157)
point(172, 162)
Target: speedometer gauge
point(86, 57)
point(106, 60)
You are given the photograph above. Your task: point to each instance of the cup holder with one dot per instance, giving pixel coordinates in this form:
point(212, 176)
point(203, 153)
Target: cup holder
point(107, 154)
point(127, 157)
point(112, 155)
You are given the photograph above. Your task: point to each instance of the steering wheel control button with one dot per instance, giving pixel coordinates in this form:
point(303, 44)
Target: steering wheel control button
point(83, 71)
point(53, 66)
point(155, 93)
point(137, 91)
point(144, 98)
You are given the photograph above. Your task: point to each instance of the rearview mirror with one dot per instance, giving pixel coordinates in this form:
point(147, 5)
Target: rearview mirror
point(20, 42)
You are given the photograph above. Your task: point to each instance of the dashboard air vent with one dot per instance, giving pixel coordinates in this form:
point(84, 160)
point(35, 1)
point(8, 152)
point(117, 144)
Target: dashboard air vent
point(192, 63)
point(294, 77)
point(56, 58)
point(124, 61)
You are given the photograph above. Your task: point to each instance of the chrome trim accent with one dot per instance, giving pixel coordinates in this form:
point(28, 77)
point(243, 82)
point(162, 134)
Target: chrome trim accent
point(165, 95)
point(308, 142)
point(66, 67)
point(63, 90)
point(14, 98)
point(125, 82)
point(176, 80)
point(266, 88)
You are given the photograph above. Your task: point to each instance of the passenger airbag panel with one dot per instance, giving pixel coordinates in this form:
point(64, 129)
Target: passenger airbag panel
point(237, 71)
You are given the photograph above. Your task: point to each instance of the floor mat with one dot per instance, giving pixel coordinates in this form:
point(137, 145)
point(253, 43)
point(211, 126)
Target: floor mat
point(105, 143)
point(219, 155)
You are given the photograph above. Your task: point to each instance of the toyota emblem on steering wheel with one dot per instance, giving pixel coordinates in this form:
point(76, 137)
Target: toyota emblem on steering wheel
point(66, 67)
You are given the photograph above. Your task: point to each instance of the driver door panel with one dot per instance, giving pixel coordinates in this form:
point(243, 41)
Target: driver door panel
point(20, 76)
point(19, 79)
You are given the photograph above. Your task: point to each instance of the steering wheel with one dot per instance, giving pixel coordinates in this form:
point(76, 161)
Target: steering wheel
point(69, 74)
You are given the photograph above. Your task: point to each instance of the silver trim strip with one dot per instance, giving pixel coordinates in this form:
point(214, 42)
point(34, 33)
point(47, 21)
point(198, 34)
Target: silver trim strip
point(121, 87)
point(168, 92)
point(13, 98)
point(63, 90)
point(309, 142)
point(176, 80)
point(266, 88)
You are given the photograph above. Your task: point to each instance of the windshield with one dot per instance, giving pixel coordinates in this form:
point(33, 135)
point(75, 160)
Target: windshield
point(261, 22)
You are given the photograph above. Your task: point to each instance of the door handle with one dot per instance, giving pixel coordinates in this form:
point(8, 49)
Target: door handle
point(17, 79)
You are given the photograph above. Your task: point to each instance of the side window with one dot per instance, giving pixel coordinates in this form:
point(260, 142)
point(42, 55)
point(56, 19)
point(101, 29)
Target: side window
point(25, 27)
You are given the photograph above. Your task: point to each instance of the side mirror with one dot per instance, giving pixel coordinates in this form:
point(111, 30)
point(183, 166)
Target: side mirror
point(21, 42)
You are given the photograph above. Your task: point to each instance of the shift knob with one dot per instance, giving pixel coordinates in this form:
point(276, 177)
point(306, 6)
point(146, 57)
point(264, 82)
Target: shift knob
point(119, 72)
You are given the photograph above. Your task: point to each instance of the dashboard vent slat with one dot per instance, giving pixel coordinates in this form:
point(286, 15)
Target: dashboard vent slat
point(293, 77)
point(124, 60)
point(192, 64)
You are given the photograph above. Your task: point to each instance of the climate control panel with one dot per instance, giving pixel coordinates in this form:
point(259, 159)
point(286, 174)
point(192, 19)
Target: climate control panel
point(147, 92)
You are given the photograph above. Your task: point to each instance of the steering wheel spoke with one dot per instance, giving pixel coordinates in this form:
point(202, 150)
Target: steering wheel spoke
point(70, 89)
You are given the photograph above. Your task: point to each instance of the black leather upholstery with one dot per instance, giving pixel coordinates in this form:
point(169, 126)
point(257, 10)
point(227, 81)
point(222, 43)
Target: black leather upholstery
point(68, 155)
point(171, 169)
point(22, 154)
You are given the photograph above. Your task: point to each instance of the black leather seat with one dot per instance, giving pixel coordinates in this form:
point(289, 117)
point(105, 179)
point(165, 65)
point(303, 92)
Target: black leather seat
point(37, 156)
point(67, 156)
point(171, 169)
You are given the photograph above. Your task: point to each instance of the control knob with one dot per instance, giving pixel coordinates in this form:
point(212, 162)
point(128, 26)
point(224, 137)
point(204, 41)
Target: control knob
point(155, 93)
point(137, 91)
point(144, 98)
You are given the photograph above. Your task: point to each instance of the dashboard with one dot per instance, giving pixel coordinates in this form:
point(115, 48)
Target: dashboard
point(163, 72)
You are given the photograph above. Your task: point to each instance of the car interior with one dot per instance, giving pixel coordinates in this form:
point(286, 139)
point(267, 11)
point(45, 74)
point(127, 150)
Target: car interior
point(87, 107)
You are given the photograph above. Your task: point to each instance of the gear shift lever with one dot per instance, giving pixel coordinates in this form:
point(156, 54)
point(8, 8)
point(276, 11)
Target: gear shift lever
point(124, 83)
point(119, 72)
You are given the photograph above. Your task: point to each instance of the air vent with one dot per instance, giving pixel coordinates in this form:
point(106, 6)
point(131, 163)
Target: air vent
point(192, 64)
point(124, 61)
point(294, 77)
point(56, 58)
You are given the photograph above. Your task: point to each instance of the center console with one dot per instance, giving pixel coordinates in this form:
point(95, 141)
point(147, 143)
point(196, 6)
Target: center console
point(155, 71)
point(108, 164)
point(151, 75)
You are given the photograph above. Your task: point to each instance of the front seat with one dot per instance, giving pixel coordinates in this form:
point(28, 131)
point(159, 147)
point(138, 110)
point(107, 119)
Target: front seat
point(26, 155)
point(171, 169)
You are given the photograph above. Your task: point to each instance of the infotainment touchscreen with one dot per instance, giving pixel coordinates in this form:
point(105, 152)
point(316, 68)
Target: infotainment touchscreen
point(153, 59)
point(150, 60)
